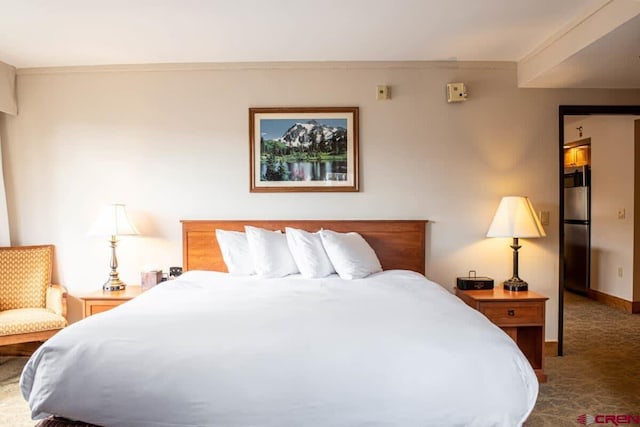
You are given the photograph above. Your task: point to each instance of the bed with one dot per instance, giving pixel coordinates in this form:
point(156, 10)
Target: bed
point(211, 349)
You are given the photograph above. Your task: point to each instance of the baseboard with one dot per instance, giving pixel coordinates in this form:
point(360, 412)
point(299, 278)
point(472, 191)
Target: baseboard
point(615, 302)
point(23, 349)
point(550, 348)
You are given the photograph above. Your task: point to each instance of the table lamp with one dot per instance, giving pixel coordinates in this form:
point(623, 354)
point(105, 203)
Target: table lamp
point(515, 218)
point(113, 222)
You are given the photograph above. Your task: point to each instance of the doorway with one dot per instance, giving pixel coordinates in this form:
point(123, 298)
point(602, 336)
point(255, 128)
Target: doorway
point(581, 110)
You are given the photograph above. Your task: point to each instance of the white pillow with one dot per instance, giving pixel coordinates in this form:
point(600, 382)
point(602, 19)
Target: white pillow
point(270, 252)
point(308, 253)
point(350, 254)
point(235, 252)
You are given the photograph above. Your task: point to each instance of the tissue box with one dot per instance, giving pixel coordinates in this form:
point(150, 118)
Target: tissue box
point(149, 279)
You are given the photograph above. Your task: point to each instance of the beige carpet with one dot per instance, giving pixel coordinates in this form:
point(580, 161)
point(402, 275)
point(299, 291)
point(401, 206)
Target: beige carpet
point(14, 411)
point(600, 370)
point(599, 374)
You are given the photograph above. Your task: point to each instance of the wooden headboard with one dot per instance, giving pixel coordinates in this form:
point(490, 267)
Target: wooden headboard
point(399, 244)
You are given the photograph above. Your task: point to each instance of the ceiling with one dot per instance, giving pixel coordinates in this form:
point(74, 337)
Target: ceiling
point(612, 61)
point(44, 33)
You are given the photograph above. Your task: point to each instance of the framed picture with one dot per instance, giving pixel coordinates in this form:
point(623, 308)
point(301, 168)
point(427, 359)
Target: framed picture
point(303, 149)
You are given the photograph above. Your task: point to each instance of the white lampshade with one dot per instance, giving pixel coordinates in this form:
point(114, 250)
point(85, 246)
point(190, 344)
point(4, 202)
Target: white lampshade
point(113, 221)
point(515, 217)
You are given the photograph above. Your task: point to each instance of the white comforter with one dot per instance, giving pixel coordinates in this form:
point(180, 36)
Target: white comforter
point(209, 349)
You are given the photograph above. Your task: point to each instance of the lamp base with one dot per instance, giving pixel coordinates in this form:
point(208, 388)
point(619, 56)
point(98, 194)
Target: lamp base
point(515, 285)
point(114, 285)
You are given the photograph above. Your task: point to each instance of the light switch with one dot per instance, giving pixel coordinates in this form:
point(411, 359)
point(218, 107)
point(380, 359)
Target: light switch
point(544, 217)
point(622, 214)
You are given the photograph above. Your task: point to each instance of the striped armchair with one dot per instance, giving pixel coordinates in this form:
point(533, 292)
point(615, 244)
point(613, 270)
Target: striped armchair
point(31, 308)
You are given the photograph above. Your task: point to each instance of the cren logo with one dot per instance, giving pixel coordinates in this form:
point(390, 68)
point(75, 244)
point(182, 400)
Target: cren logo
point(586, 419)
point(615, 419)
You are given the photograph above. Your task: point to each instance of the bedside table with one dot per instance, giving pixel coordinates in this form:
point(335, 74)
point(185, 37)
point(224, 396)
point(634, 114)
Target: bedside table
point(100, 301)
point(519, 314)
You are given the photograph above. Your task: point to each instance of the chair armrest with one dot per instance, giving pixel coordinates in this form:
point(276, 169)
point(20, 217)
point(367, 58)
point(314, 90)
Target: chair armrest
point(57, 299)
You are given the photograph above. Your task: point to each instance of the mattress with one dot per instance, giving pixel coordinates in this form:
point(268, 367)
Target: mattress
point(210, 349)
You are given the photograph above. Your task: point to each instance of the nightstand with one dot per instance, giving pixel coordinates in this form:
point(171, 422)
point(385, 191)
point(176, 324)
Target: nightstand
point(519, 314)
point(100, 301)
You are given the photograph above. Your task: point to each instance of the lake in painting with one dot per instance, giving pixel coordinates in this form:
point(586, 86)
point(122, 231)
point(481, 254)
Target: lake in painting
point(320, 170)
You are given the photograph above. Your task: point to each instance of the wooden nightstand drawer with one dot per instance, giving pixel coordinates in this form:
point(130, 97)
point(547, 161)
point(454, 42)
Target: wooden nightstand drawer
point(95, 308)
point(513, 313)
point(101, 301)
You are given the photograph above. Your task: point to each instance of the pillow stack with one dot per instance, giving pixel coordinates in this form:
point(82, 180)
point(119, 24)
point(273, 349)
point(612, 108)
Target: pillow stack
point(314, 255)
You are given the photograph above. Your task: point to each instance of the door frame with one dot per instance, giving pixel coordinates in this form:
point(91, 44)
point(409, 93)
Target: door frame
point(575, 110)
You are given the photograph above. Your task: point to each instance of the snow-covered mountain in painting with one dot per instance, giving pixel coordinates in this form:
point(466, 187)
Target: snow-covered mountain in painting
point(304, 134)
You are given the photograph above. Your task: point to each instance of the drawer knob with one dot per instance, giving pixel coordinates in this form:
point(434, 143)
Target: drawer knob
point(511, 312)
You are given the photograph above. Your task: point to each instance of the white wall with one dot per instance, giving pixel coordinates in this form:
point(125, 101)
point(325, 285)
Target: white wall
point(612, 175)
point(172, 143)
point(8, 102)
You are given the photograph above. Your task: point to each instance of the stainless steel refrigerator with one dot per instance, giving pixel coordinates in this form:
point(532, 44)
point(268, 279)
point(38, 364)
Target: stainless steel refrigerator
point(577, 238)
